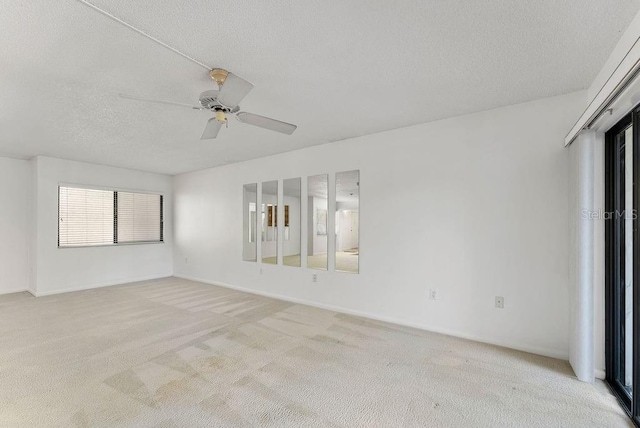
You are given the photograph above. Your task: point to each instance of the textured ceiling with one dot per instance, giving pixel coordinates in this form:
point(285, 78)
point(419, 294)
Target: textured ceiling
point(348, 187)
point(337, 69)
point(318, 186)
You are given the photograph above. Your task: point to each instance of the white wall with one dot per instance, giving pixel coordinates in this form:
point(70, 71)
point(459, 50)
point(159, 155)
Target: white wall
point(58, 270)
point(483, 213)
point(15, 188)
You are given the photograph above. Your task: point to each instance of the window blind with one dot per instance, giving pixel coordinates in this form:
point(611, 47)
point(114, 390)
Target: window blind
point(139, 217)
point(89, 217)
point(85, 217)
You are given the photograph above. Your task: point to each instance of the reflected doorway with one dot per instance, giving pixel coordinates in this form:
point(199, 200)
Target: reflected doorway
point(347, 222)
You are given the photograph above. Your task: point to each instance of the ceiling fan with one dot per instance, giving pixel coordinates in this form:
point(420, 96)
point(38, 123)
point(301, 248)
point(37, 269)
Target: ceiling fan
point(225, 101)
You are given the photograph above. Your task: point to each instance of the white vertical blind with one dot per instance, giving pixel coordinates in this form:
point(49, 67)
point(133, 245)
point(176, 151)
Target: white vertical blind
point(581, 262)
point(85, 217)
point(139, 217)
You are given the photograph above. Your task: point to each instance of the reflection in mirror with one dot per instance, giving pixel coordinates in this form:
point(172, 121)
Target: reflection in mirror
point(249, 222)
point(318, 190)
point(270, 222)
point(347, 221)
point(292, 192)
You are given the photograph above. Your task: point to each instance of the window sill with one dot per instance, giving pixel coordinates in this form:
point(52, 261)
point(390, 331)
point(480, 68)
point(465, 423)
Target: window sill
point(119, 244)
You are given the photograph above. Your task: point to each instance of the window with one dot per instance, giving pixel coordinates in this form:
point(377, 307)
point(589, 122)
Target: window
point(90, 217)
point(85, 217)
point(139, 217)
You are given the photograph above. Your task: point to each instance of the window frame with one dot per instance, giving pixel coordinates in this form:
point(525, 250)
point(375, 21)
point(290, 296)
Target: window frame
point(629, 403)
point(115, 216)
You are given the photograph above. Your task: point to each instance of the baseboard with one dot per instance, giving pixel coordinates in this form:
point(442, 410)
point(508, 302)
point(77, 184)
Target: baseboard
point(99, 285)
point(12, 290)
point(600, 374)
point(547, 352)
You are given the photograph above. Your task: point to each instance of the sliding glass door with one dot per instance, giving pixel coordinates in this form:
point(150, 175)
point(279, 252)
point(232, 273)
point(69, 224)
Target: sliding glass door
point(622, 338)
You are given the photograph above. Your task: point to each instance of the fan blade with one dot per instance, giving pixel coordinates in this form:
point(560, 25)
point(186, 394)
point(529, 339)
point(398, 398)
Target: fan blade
point(233, 90)
point(265, 122)
point(212, 129)
point(129, 97)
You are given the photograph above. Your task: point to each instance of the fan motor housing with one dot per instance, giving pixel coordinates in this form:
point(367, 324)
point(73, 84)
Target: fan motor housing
point(209, 101)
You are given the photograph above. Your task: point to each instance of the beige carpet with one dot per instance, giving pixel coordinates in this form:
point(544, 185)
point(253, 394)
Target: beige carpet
point(346, 261)
point(171, 353)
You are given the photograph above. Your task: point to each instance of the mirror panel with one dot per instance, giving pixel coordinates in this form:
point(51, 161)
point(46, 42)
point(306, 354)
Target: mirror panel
point(348, 221)
point(292, 192)
point(270, 222)
point(317, 221)
point(249, 222)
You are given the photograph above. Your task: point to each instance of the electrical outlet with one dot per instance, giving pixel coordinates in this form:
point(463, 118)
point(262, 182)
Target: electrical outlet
point(186, 261)
point(260, 271)
point(433, 294)
point(314, 277)
point(499, 302)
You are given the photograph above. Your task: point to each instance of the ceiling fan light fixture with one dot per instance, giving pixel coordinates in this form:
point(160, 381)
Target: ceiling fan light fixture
point(221, 117)
point(219, 75)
